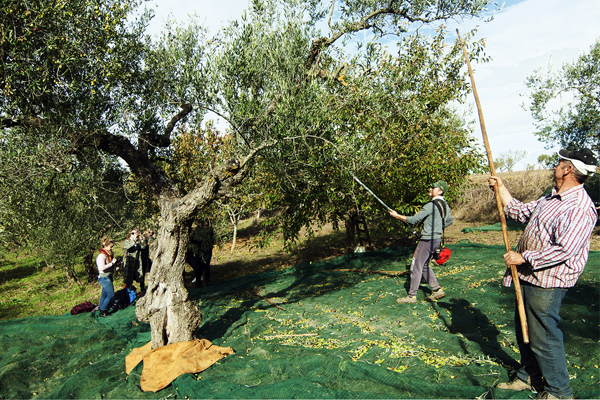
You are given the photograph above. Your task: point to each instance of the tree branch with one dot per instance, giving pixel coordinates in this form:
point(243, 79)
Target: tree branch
point(153, 177)
point(331, 14)
point(582, 91)
point(320, 44)
point(148, 141)
point(26, 122)
point(186, 108)
point(137, 159)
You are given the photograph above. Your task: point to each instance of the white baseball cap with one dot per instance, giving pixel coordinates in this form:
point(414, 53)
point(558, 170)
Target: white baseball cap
point(583, 160)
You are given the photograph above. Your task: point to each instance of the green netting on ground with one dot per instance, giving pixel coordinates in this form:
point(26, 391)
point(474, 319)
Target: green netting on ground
point(511, 225)
point(71, 356)
point(340, 334)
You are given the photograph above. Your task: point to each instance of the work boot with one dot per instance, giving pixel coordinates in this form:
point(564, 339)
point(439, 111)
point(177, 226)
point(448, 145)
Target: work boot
point(548, 395)
point(516, 384)
point(436, 295)
point(407, 299)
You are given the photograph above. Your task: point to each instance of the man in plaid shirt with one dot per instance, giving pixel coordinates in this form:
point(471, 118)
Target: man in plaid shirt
point(550, 257)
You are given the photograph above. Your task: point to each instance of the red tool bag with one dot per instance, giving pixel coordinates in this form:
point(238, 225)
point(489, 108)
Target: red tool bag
point(442, 255)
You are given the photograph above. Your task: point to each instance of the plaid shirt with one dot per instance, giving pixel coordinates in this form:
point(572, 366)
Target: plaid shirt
point(556, 241)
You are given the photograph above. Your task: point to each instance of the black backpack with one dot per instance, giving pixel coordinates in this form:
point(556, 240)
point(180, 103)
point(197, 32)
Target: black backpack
point(120, 301)
point(441, 206)
point(442, 253)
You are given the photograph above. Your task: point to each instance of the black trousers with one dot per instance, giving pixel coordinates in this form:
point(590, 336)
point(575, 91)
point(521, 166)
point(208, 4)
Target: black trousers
point(201, 266)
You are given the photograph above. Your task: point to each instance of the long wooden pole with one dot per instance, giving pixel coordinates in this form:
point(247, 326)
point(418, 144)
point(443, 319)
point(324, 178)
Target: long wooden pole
point(513, 268)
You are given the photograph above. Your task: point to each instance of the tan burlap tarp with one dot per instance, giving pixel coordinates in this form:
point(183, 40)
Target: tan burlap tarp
point(165, 364)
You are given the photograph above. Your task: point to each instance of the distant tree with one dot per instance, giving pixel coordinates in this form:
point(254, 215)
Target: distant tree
point(499, 164)
point(195, 152)
point(506, 161)
point(547, 160)
point(576, 123)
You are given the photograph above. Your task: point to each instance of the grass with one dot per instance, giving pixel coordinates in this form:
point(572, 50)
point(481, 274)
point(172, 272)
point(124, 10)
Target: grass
point(29, 287)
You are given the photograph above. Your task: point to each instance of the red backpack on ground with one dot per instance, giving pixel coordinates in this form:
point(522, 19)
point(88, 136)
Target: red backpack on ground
point(83, 307)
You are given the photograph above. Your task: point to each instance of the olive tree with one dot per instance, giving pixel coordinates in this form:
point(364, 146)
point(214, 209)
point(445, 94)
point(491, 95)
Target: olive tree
point(80, 74)
point(58, 194)
point(576, 122)
point(273, 77)
point(385, 118)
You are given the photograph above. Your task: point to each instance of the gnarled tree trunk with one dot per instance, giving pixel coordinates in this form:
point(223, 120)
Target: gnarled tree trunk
point(166, 306)
point(172, 316)
point(91, 273)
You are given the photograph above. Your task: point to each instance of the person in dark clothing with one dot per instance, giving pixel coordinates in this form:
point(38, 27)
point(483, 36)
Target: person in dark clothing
point(132, 268)
point(199, 252)
point(145, 252)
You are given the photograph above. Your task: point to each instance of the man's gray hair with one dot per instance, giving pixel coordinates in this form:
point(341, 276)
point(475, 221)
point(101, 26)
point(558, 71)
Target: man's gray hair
point(579, 177)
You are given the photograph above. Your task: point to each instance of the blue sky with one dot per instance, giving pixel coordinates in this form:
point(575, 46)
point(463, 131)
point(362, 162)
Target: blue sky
point(527, 35)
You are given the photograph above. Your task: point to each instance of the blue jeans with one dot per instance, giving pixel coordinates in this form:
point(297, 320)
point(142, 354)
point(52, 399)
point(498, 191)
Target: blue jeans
point(108, 292)
point(544, 356)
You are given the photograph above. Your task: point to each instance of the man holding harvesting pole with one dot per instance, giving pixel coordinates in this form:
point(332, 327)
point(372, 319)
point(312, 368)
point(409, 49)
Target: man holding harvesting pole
point(435, 219)
point(550, 257)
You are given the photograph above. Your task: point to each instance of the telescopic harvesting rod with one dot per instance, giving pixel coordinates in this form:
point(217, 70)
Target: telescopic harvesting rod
point(513, 268)
point(372, 194)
